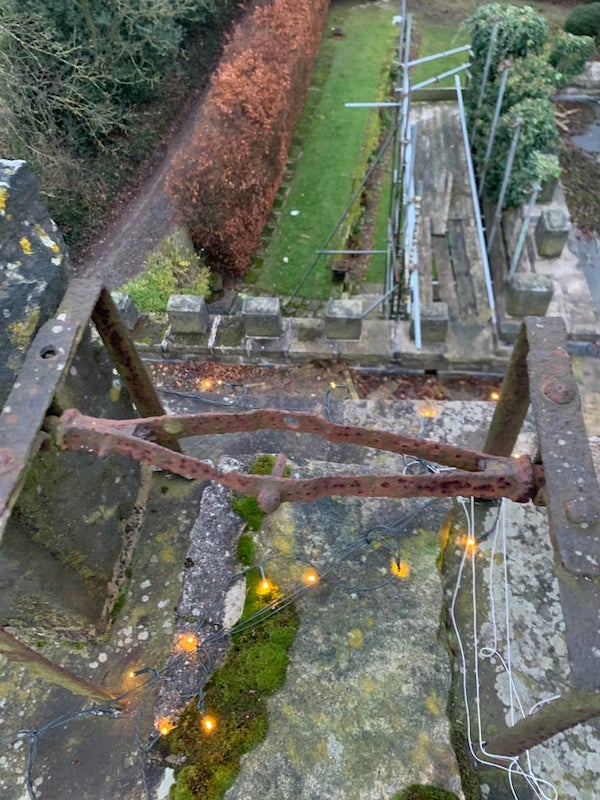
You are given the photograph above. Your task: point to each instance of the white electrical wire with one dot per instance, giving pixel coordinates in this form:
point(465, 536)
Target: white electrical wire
point(542, 789)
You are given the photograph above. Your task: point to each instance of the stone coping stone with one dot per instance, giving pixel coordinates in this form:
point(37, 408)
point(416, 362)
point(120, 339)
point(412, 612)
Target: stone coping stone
point(528, 294)
point(187, 314)
point(551, 232)
point(434, 322)
point(127, 309)
point(262, 316)
point(343, 319)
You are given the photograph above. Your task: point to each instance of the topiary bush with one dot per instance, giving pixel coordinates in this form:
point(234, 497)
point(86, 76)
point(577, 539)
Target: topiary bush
point(570, 54)
point(584, 21)
point(538, 135)
point(521, 32)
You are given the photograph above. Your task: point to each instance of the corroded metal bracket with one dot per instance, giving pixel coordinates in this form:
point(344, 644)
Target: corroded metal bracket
point(540, 373)
point(472, 474)
point(47, 363)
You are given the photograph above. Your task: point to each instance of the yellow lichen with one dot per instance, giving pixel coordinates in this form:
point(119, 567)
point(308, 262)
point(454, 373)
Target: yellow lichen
point(21, 331)
point(356, 639)
point(25, 245)
point(3, 199)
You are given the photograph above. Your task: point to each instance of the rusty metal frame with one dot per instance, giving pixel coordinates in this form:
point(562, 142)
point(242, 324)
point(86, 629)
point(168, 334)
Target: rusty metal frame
point(540, 374)
point(48, 361)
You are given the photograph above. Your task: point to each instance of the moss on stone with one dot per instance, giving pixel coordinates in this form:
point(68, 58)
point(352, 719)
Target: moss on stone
point(247, 507)
point(235, 696)
point(422, 792)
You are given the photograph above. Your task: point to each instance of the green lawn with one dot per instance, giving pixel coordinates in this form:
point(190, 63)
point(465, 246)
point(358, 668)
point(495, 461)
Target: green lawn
point(336, 147)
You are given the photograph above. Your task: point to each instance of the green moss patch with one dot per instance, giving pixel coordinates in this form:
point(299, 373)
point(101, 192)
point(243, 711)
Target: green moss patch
point(235, 697)
point(420, 792)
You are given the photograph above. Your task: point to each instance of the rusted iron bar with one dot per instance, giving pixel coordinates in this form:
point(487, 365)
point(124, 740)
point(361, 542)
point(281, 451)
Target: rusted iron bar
point(553, 717)
point(16, 651)
point(511, 409)
point(514, 478)
point(50, 354)
point(47, 362)
point(121, 348)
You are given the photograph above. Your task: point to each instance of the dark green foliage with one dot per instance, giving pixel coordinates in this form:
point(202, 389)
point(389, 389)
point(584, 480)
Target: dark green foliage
point(71, 75)
point(570, 54)
point(235, 696)
point(521, 32)
point(584, 21)
point(538, 134)
point(420, 792)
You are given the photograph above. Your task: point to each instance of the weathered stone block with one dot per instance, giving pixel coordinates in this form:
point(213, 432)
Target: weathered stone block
point(187, 314)
point(552, 232)
point(528, 294)
point(262, 316)
point(343, 319)
point(127, 309)
point(33, 267)
point(434, 323)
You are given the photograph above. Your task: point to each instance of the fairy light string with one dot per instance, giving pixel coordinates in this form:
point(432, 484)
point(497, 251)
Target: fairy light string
point(541, 788)
point(196, 641)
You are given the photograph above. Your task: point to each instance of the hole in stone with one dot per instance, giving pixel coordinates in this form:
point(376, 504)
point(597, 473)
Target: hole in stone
point(48, 351)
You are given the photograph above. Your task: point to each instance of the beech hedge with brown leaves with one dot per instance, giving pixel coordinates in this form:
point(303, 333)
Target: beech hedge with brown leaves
point(224, 180)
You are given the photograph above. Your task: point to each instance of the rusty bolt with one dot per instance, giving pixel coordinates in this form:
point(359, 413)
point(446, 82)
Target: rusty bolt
point(560, 392)
point(581, 511)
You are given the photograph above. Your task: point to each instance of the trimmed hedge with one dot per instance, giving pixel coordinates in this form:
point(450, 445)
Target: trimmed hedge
point(584, 21)
point(224, 181)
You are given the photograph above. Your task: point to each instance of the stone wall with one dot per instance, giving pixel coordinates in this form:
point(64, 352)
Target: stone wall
point(34, 267)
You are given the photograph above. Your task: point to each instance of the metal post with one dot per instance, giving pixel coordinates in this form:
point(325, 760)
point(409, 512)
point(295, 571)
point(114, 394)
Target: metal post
point(492, 136)
point(476, 210)
point(504, 187)
point(416, 310)
point(486, 70)
point(535, 190)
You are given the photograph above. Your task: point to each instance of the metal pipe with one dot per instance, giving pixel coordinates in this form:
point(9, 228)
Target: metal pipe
point(416, 309)
point(535, 190)
point(503, 189)
point(441, 76)
point(476, 209)
point(486, 70)
point(438, 55)
point(380, 300)
point(490, 144)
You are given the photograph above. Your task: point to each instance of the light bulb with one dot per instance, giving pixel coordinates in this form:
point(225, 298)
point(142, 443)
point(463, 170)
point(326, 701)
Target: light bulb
point(427, 412)
point(164, 725)
point(310, 576)
point(399, 568)
point(208, 724)
point(187, 642)
point(495, 396)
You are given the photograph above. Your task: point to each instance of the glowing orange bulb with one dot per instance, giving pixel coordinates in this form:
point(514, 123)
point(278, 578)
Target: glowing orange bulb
point(208, 724)
point(427, 412)
point(494, 396)
point(399, 568)
point(164, 726)
point(187, 642)
point(471, 543)
point(131, 674)
point(206, 384)
point(265, 586)
point(310, 576)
